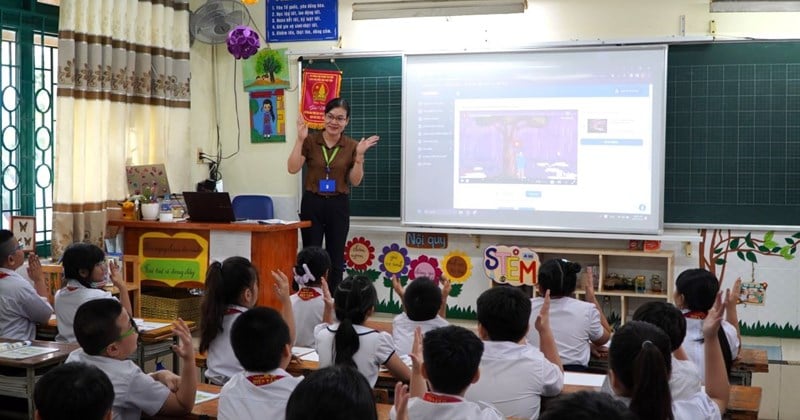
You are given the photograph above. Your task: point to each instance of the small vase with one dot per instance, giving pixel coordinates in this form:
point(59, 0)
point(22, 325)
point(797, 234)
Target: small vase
point(150, 211)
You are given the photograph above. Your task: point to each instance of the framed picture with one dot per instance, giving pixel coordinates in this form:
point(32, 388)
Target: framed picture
point(24, 228)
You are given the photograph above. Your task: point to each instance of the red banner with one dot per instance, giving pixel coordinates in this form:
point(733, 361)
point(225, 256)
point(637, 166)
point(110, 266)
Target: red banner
point(319, 87)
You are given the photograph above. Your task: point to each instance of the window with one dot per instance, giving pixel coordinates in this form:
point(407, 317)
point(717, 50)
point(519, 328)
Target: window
point(28, 66)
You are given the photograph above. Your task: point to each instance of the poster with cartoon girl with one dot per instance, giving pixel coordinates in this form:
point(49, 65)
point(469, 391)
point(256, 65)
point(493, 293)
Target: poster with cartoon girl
point(267, 117)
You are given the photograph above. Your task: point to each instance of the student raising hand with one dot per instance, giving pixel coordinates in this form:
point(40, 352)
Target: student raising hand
point(418, 386)
point(717, 386)
point(547, 342)
point(401, 401)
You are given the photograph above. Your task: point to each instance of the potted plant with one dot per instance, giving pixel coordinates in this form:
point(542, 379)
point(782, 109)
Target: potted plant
point(148, 203)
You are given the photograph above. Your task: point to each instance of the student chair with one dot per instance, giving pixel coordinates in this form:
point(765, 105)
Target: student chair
point(254, 207)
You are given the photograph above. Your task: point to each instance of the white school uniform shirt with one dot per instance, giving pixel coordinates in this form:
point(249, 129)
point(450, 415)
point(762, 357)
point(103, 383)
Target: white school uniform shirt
point(134, 391)
point(514, 377)
point(693, 342)
point(241, 399)
point(67, 301)
point(375, 348)
point(307, 312)
point(419, 409)
point(574, 323)
point(697, 407)
point(20, 307)
point(403, 330)
point(684, 381)
point(221, 363)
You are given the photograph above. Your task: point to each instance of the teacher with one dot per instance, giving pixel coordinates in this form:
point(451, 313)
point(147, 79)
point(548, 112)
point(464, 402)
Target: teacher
point(333, 163)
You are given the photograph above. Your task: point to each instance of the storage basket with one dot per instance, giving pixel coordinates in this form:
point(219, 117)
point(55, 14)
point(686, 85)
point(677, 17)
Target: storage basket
point(170, 303)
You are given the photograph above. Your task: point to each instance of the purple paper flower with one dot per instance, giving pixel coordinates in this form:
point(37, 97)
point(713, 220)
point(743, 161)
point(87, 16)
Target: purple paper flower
point(243, 42)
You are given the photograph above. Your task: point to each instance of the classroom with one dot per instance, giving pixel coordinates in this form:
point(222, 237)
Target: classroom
point(753, 239)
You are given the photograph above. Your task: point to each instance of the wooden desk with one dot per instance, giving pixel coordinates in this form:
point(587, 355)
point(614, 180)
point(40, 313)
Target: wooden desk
point(743, 402)
point(272, 247)
point(299, 367)
point(747, 362)
point(22, 386)
point(158, 342)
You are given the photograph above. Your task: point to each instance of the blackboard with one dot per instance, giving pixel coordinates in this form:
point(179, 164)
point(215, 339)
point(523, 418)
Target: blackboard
point(732, 137)
point(733, 134)
point(373, 85)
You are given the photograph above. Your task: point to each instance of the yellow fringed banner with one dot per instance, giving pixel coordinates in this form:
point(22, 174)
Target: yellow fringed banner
point(319, 87)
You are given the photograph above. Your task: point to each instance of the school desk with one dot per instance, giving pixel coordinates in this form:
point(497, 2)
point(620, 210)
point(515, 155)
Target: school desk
point(208, 410)
point(298, 367)
point(272, 247)
point(32, 367)
point(743, 402)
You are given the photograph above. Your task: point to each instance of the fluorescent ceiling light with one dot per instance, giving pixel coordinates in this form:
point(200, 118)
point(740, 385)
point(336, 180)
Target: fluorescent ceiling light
point(378, 9)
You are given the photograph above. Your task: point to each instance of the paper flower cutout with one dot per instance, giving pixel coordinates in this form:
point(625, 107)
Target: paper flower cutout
point(251, 2)
point(394, 260)
point(425, 266)
point(243, 42)
point(359, 253)
point(457, 266)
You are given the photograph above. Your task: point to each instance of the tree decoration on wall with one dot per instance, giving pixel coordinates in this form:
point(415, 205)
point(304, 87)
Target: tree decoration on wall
point(243, 41)
point(717, 245)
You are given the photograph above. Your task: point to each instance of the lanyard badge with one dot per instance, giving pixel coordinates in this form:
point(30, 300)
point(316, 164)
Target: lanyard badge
point(328, 185)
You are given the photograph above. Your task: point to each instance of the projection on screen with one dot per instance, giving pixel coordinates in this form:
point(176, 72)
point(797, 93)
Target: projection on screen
point(547, 140)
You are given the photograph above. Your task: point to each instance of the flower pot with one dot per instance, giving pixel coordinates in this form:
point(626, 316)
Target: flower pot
point(150, 211)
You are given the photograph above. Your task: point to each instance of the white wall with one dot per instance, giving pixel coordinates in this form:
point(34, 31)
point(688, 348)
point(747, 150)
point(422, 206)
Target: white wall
point(260, 168)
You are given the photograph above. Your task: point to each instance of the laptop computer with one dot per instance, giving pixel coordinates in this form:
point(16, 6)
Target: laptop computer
point(209, 207)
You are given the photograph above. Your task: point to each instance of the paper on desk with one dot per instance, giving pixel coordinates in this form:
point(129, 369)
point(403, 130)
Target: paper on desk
point(311, 357)
point(301, 351)
point(147, 325)
point(26, 352)
point(406, 359)
point(202, 396)
point(275, 222)
point(584, 379)
point(224, 244)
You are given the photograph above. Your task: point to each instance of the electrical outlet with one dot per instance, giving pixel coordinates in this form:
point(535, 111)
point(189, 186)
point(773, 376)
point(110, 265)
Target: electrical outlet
point(200, 155)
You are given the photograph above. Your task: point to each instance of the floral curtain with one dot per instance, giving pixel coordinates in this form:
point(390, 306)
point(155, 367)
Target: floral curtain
point(123, 98)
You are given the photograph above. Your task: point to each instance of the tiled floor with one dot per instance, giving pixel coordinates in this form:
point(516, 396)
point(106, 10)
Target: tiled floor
point(779, 398)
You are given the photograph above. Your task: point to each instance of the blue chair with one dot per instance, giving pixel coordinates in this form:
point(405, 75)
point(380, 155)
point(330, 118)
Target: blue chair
point(255, 207)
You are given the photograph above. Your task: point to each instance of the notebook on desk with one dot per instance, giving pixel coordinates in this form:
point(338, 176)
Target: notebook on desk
point(209, 207)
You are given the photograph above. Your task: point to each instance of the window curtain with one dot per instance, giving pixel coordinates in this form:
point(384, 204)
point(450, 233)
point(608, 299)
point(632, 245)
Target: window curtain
point(123, 98)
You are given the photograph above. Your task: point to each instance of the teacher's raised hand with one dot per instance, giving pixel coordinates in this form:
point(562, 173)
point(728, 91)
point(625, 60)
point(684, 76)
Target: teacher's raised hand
point(302, 129)
point(365, 144)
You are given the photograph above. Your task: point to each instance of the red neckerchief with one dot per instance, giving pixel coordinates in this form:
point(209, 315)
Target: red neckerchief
point(307, 293)
point(259, 380)
point(231, 311)
point(439, 398)
point(695, 315)
point(3, 275)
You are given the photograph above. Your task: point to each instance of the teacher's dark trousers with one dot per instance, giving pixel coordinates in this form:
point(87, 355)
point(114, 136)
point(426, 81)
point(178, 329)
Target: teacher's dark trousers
point(330, 219)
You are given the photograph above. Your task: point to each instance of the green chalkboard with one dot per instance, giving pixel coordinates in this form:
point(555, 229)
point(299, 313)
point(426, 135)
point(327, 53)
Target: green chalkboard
point(373, 86)
point(733, 134)
point(732, 138)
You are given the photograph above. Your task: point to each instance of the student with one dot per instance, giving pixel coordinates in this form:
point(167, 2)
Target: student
point(684, 380)
point(73, 391)
point(22, 306)
point(695, 291)
point(575, 323)
point(424, 306)
point(332, 393)
point(640, 365)
point(260, 339)
point(351, 343)
point(231, 289)
point(85, 274)
point(586, 405)
point(313, 264)
point(448, 358)
point(108, 336)
point(514, 375)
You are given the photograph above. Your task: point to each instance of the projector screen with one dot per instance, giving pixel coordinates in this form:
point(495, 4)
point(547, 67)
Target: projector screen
point(567, 139)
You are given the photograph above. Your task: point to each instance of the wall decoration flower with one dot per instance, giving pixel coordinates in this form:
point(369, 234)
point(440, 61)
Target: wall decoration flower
point(359, 253)
point(425, 266)
point(394, 260)
point(457, 267)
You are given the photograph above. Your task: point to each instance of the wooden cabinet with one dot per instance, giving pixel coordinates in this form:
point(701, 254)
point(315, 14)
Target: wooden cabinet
point(618, 297)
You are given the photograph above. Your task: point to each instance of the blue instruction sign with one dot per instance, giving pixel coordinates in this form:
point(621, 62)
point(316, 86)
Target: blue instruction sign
point(302, 20)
